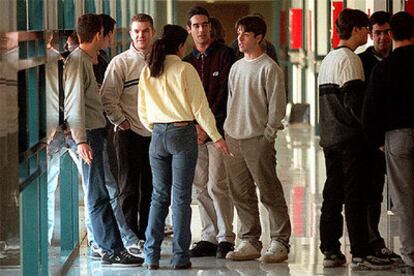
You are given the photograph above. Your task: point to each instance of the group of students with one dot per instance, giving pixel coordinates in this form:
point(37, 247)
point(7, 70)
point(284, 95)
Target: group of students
point(365, 110)
point(209, 120)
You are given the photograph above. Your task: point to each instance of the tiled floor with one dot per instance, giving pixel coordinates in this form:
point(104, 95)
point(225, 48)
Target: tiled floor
point(302, 172)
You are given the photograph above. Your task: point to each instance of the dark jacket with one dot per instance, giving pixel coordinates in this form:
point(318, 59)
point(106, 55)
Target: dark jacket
point(341, 93)
point(100, 68)
point(389, 103)
point(369, 60)
point(213, 68)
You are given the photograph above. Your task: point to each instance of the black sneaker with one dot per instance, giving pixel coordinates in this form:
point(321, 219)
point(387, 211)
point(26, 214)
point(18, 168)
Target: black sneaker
point(223, 248)
point(181, 266)
point(333, 259)
point(122, 259)
point(371, 263)
point(405, 269)
point(203, 249)
point(387, 253)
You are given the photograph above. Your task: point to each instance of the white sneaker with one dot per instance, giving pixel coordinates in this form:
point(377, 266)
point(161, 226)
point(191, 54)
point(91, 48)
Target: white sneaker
point(141, 244)
point(276, 253)
point(245, 251)
point(95, 251)
point(135, 250)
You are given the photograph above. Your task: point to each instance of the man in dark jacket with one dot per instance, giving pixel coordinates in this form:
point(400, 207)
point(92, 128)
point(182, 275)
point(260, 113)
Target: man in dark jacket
point(341, 92)
point(379, 33)
point(388, 118)
point(212, 61)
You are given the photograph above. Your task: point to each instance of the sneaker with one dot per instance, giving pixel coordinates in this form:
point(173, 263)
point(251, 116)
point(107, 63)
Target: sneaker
point(122, 259)
point(141, 244)
point(135, 250)
point(276, 253)
point(245, 251)
point(95, 252)
point(181, 266)
point(387, 253)
point(151, 266)
point(168, 230)
point(223, 248)
point(333, 259)
point(371, 263)
point(405, 269)
point(203, 249)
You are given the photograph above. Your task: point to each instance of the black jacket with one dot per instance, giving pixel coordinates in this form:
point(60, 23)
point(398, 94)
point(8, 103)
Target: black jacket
point(389, 103)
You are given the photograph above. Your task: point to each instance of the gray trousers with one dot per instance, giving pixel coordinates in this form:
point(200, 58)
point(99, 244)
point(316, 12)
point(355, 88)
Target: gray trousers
point(212, 191)
point(254, 161)
point(399, 151)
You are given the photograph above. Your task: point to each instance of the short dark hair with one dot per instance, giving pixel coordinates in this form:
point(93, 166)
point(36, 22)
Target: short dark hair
point(402, 26)
point(348, 19)
point(108, 23)
point(142, 17)
point(380, 18)
point(74, 37)
point(88, 26)
point(217, 30)
point(196, 11)
point(252, 23)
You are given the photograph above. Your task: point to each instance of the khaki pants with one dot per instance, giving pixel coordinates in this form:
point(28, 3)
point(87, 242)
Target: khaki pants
point(254, 161)
point(215, 204)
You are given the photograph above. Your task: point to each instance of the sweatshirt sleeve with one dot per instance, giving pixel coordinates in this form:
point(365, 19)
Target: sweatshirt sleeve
point(276, 98)
point(198, 102)
point(111, 90)
point(75, 99)
point(142, 105)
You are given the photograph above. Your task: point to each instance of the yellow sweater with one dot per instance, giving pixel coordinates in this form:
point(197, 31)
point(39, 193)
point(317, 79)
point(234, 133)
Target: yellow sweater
point(176, 95)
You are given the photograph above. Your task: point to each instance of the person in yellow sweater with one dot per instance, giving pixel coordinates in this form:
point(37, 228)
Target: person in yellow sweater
point(171, 97)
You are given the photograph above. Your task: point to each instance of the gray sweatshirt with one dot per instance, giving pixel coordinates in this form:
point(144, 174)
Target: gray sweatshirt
point(83, 106)
point(120, 90)
point(257, 99)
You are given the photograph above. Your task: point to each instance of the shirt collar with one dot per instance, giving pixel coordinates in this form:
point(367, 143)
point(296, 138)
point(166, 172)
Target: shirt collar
point(133, 49)
point(172, 57)
point(209, 49)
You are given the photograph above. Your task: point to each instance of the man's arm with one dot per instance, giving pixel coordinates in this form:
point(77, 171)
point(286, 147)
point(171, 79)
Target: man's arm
point(276, 97)
point(73, 77)
point(111, 90)
point(75, 100)
point(353, 88)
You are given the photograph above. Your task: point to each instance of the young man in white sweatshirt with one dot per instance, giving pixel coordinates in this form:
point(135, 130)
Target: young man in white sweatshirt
point(256, 106)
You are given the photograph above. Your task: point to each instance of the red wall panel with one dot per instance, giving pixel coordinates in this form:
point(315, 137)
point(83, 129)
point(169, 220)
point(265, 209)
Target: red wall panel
point(295, 28)
point(409, 6)
point(337, 7)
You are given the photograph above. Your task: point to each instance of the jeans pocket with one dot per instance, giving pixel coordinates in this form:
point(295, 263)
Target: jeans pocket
point(183, 140)
point(154, 145)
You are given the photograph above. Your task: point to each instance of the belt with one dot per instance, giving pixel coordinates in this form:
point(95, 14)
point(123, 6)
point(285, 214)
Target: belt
point(178, 124)
point(181, 124)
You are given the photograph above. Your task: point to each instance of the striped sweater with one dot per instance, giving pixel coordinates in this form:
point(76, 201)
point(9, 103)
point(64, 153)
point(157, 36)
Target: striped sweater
point(120, 89)
point(341, 93)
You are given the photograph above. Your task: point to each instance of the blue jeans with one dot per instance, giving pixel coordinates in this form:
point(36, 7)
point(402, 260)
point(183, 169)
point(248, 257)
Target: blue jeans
point(102, 218)
point(128, 236)
point(173, 156)
point(53, 171)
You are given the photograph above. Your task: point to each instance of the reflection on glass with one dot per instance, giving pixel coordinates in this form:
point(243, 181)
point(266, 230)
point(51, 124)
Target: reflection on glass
point(9, 189)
